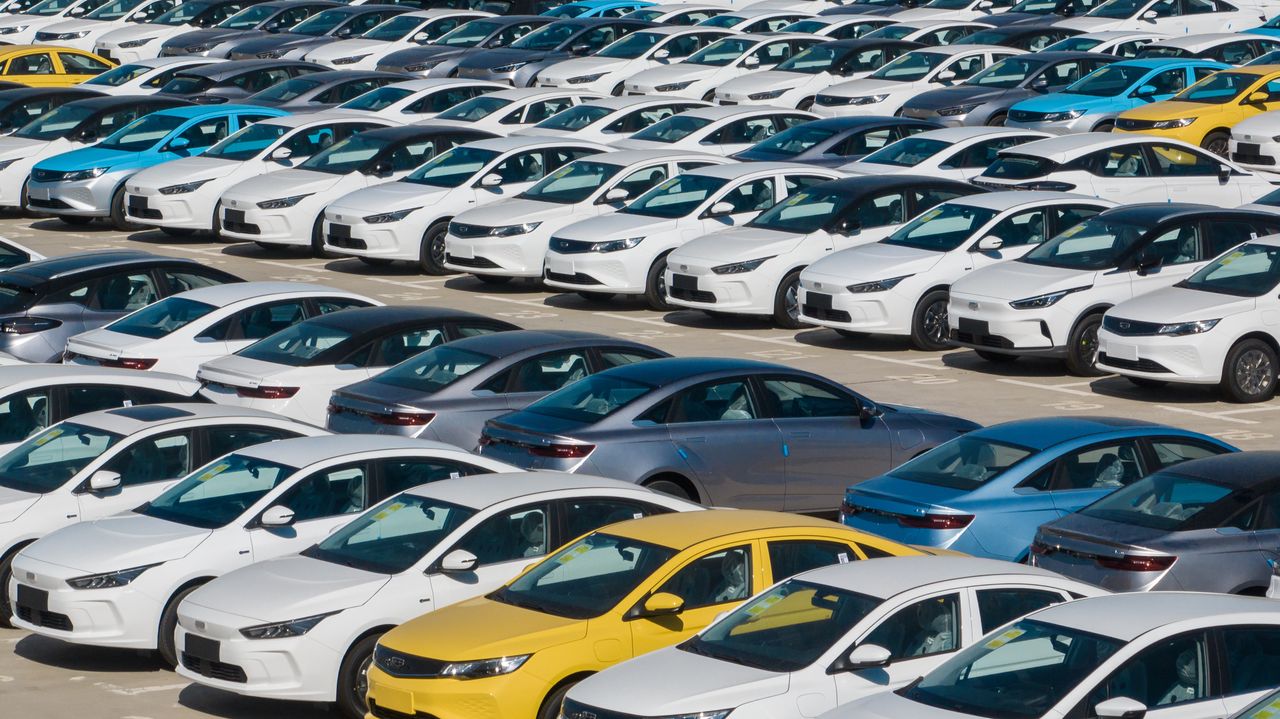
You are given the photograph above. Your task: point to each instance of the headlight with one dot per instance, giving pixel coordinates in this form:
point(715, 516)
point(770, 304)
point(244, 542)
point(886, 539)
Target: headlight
point(867, 99)
point(1187, 328)
point(481, 668)
point(84, 174)
point(767, 95)
point(585, 78)
point(616, 245)
point(72, 35)
point(183, 188)
point(674, 86)
point(199, 48)
point(1172, 124)
point(420, 66)
point(958, 110)
point(279, 630)
point(737, 268)
point(349, 60)
point(389, 216)
point(282, 203)
point(1062, 116)
point(512, 230)
point(12, 29)
point(1039, 301)
point(136, 43)
point(876, 285)
point(509, 68)
point(107, 580)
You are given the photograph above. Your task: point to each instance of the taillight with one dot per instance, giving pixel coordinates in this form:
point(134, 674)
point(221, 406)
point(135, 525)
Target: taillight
point(129, 363)
point(27, 325)
point(267, 392)
point(1137, 563)
point(403, 419)
point(562, 451)
point(485, 440)
point(936, 521)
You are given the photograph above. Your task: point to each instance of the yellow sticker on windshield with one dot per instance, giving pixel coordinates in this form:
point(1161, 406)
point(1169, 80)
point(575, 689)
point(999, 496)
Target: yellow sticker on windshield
point(49, 436)
point(930, 215)
point(1231, 258)
point(388, 511)
point(574, 553)
point(1071, 231)
point(763, 605)
point(1270, 711)
point(212, 472)
point(1004, 638)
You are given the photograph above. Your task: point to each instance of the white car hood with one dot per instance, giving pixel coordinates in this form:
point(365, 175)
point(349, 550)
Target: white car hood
point(763, 81)
point(577, 66)
point(1090, 24)
point(285, 183)
point(387, 197)
point(104, 341)
point(671, 681)
point(870, 86)
point(616, 226)
point(736, 244)
point(15, 148)
point(874, 261)
point(288, 588)
point(667, 74)
point(346, 48)
point(1176, 304)
point(185, 169)
point(1019, 280)
point(242, 371)
point(114, 543)
point(14, 502)
point(888, 705)
point(514, 210)
point(138, 31)
point(75, 25)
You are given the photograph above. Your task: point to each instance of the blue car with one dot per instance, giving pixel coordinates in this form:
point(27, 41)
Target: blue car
point(987, 492)
point(1092, 103)
point(80, 185)
point(1270, 27)
point(596, 8)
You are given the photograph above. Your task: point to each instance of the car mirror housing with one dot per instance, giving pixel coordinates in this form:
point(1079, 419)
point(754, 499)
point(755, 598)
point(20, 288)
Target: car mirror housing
point(277, 516)
point(864, 656)
point(1145, 91)
point(1121, 708)
point(1150, 15)
point(104, 480)
point(459, 560)
point(660, 604)
point(1257, 98)
point(990, 243)
point(617, 194)
point(281, 153)
point(179, 143)
point(946, 76)
point(491, 180)
point(868, 412)
point(720, 209)
point(1147, 262)
point(1224, 173)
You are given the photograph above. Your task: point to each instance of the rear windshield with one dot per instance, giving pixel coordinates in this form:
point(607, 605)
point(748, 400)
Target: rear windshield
point(1160, 501)
point(434, 369)
point(118, 76)
point(15, 299)
point(161, 318)
point(297, 345)
point(187, 85)
point(591, 399)
point(1019, 167)
point(963, 463)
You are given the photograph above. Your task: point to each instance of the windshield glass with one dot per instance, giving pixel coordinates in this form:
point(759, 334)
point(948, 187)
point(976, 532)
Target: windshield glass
point(1009, 72)
point(572, 183)
point(1095, 244)
point(434, 369)
point(942, 228)
point(785, 629)
point(346, 155)
point(397, 28)
point(1079, 43)
point(804, 212)
point(143, 133)
point(378, 99)
point(907, 152)
point(1107, 81)
point(186, 85)
point(672, 129)
point(214, 495)
point(248, 143)
point(913, 66)
point(249, 17)
point(184, 13)
point(1019, 167)
point(49, 459)
point(1035, 7)
point(590, 399)
point(453, 167)
point(963, 463)
point(949, 4)
point(49, 7)
point(1162, 500)
point(15, 299)
point(726, 21)
point(322, 23)
point(795, 140)
point(547, 37)
point(1023, 671)
point(58, 123)
point(117, 76)
point(469, 34)
point(393, 536)
point(287, 90)
point(632, 46)
point(722, 52)
point(113, 10)
point(474, 109)
point(587, 578)
point(816, 59)
point(575, 118)
point(1118, 9)
point(160, 318)
point(893, 32)
point(294, 346)
point(1218, 88)
point(676, 197)
point(1247, 271)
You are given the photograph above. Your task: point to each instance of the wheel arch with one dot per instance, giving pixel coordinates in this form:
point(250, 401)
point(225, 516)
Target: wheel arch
point(691, 486)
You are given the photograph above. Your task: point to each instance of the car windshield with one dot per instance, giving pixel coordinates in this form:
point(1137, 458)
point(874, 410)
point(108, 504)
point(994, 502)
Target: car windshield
point(391, 537)
point(575, 118)
point(58, 123)
point(433, 370)
point(113, 10)
point(397, 28)
point(784, 629)
point(676, 197)
point(1249, 270)
point(184, 13)
point(949, 4)
point(893, 32)
point(1008, 73)
point(1118, 9)
point(632, 46)
point(913, 66)
point(49, 459)
point(805, 211)
point(1163, 500)
point(1108, 81)
point(1023, 671)
point(907, 152)
point(1035, 7)
point(1218, 88)
point(1019, 167)
point(161, 318)
point(942, 228)
point(1267, 707)
point(590, 399)
point(963, 463)
point(49, 7)
point(296, 345)
point(1079, 43)
point(248, 143)
point(573, 183)
point(794, 140)
point(287, 90)
point(1095, 244)
point(726, 20)
point(378, 99)
point(142, 134)
point(117, 76)
point(722, 52)
point(346, 155)
point(183, 84)
point(474, 109)
point(468, 34)
point(587, 578)
point(547, 37)
point(250, 17)
point(816, 59)
point(322, 23)
point(219, 492)
point(452, 168)
point(672, 129)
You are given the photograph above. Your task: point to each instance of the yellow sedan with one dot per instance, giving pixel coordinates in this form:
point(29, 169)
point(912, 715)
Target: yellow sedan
point(1204, 113)
point(49, 66)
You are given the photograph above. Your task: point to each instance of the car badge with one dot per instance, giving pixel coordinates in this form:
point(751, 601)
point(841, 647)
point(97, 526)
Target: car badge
point(200, 626)
point(1124, 325)
point(973, 305)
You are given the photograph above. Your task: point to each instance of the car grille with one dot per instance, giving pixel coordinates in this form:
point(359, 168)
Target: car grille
point(1128, 123)
point(385, 713)
point(477, 262)
point(570, 247)
point(1131, 328)
point(831, 100)
point(462, 230)
point(1251, 159)
point(578, 278)
point(1026, 116)
point(50, 204)
point(145, 213)
point(826, 315)
point(244, 228)
point(349, 243)
point(970, 338)
point(1140, 365)
point(692, 295)
point(48, 620)
point(214, 670)
point(47, 175)
point(399, 664)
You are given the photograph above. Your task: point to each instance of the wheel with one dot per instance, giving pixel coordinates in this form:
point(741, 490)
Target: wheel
point(996, 357)
point(165, 642)
point(670, 487)
point(786, 302)
point(806, 104)
point(1216, 142)
point(353, 678)
point(617, 91)
point(595, 296)
point(1105, 126)
point(215, 223)
point(655, 286)
point(550, 708)
point(493, 279)
point(1082, 347)
point(6, 573)
point(431, 255)
point(375, 261)
point(1249, 372)
point(317, 238)
point(177, 231)
point(929, 323)
point(997, 120)
point(1147, 383)
point(851, 335)
point(75, 220)
point(118, 220)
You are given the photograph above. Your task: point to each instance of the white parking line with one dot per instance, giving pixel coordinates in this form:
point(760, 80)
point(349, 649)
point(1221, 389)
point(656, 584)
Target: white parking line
point(1251, 410)
point(133, 691)
point(1208, 415)
point(629, 318)
point(1064, 388)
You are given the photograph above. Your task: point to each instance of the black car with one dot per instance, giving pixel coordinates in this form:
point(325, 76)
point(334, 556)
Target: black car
point(1028, 11)
point(520, 63)
point(91, 119)
point(192, 13)
point(22, 105)
point(440, 58)
point(834, 141)
point(267, 17)
point(322, 90)
point(226, 81)
point(339, 23)
point(861, 7)
point(1030, 37)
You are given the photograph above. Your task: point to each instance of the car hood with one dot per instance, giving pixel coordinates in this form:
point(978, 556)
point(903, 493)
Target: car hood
point(670, 681)
point(479, 628)
point(277, 41)
point(411, 55)
point(121, 542)
point(489, 59)
point(14, 502)
point(140, 31)
point(387, 197)
point(616, 225)
point(14, 148)
point(113, 344)
point(285, 183)
point(1167, 109)
point(961, 95)
point(209, 35)
point(504, 213)
point(667, 74)
point(735, 245)
point(1018, 280)
point(74, 25)
point(88, 157)
point(869, 86)
point(763, 81)
point(1177, 304)
point(1090, 24)
point(875, 261)
point(346, 48)
point(582, 66)
point(186, 169)
point(287, 588)
point(1062, 102)
point(240, 371)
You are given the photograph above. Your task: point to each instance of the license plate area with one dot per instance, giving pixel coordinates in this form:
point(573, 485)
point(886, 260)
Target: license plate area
point(37, 599)
point(968, 325)
point(137, 203)
point(342, 232)
point(684, 282)
point(236, 216)
point(818, 299)
point(1248, 148)
point(204, 648)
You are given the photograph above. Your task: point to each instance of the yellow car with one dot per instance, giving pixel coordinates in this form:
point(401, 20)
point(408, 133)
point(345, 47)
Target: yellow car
point(623, 590)
point(1204, 113)
point(49, 66)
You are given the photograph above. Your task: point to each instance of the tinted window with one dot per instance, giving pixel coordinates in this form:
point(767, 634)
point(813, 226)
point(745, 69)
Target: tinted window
point(509, 536)
point(713, 402)
point(797, 398)
point(327, 494)
point(397, 475)
point(1001, 606)
point(788, 558)
point(715, 578)
point(1172, 671)
point(930, 626)
point(153, 460)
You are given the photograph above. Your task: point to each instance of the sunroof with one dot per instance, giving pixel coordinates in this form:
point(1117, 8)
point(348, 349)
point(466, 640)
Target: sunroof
point(151, 412)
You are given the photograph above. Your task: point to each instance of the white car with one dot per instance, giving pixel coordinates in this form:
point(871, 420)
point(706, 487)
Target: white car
point(423, 549)
point(839, 27)
point(83, 32)
point(959, 153)
point(506, 111)
point(1212, 328)
point(677, 13)
point(484, 242)
point(720, 130)
point(612, 118)
point(182, 196)
point(705, 70)
point(396, 33)
point(20, 29)
point(13, 254)
point(1233, 48)
point(180, 332)
point(1121, 43)
point(825, 637)
point(144, 77)
point(951, 10)
point(1253, 143)
point(1169, 17)
point(936, 31)
point(286, 207)
point(415, 100)
point(605, 71)
point(118, 581)
point(107, 462)
point(751, 19)
point(407, 220)
point(899, 285)
point(142, 41)
point(626, 252)
point(1116, 657)
point(1132, 166)
point(886, 90)
point(755, 269)
point(1050, 301)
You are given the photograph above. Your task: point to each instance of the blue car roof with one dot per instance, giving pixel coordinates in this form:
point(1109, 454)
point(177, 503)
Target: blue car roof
point(1157, 63)
point(1044, 432)
point(198, 111)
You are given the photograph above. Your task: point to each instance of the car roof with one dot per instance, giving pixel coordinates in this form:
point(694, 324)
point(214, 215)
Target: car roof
point(128, 420)
point(518, 94)
point(369, 7)
point(1008, 199)
point(855, 122)
point(734, 170)
point(874, 183)
point(1041, 432)
point(1150, 213)
point(674, 369)
point(332, 76)
point(724, 112)
point(1127, 616)
point(12, 375)
point(960, 49)
point(57, 267)
point(195, 112)
point(410, 132)
point(1206, 40)
point(1056, 55)
point(680, 530)
point(1156, 63)
point(1061, 148)
point(304, 451)
point(500, 344)
point(866, 42)
point(165, 61)
point(482, 490)
point(1235, 469)
point(311, 118)
point(223, 295)
point(895, 575)
point(363, 319)
point(112, 101)
point(21, 93)
point(677, 29)
point(518, 142)
point(231, 68)
point(627, 101)
point(626, 158)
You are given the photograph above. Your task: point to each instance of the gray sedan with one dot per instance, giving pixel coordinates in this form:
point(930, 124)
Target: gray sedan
point(321, 90)
point(724, 431)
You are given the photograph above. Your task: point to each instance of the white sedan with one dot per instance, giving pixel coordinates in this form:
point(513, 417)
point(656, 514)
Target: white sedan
point(950, 10)
point(81, 33)
point(1254, 145)
point(415, 100)
point(626, 252)
point(407, 220)
point(1170, 17)
point(509, 238)
point(506, 111)
point(400, 32)
point(1121, 43)
point(141, 41)
point(898, 286)
point(720, 130)
point(426, 548)
point(106, 462)
point(183, 331)
point(938, 30)
point(886, 90)
point(612, 118)
point(763, 19)
point(704, 71)
point(20, 29)
point(605, 71)
point(839, 27)
point(182, 196)
point(144, 77)
point(959, 153)
point(117, 582)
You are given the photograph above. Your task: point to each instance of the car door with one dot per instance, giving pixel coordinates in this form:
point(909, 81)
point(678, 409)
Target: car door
point(746, 199)
point(147, 467)
point(1124, 171)
point(118, 294)
point(1252, 665)
point(1264, 530)
point(35, 69)
point(997, 605)
point(1082, 476)
point(919, 634)
point(504, 544)
point(1171, 255)
point(77, 68)
point(537, 376)
point(711, 582)
point(1193, 176)
point(1017, 232)
point(1171, 677)
point(321, 502)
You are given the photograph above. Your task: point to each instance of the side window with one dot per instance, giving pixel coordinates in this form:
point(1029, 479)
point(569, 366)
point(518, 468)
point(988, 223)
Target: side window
point(864, 143)
point(589, 514)
point(1198, 7)
point(153, 460)
point(146, 395)
point(22, 414)
point(772, 53)
point(407, 157)
point(751, 196)
point(1169, 81)
point(1175, 161)
point(35, 64)
point(1169, 672)
point(441, 101)
point(1063, 74)
point(524, 167)
point(82, 64)
point(682, 46)
point(180, 281)
point(1119, 162)
point(75, 294)
point(888, 209)
point(83, 398)
point(713, 402)
point(206, 133)
point(1253, 659)
point(509, 35)
point(788, 558)
point(1024, 228)
point(508, 536)
point(642, 180)
point(924, 199)
point(930, 626)
point(692, 165)
point(966, 67)
point(750, 131)
point(258, 322)
point(1169, 452)
point(786, 122)
point(1200, 73)
point(10, 257)
point(399, 347)
point(1166, 8)
point(1234, 53)
point(223, 440)
point(1114, 464)
point(548, 372)
point(397, 475)
point(349, 90)
point(329, 493)
point(1065, 216)
point(337, 304)
point(620, 357)
point(1001, 606)
point(982, 154)
point(1222, 236)
point(309, 142)
point(796, 398)
point(124, 293)
point(1176, 246)
point(539, 111)
point(557, 158)
point(1130, 49)
point(713, 579)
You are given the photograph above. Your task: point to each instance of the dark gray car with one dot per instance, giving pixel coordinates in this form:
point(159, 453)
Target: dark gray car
point(729, 432)
point(1035, 11)
point(520, 63)
point(322, 90)
point(440, 58)
point(253, 21)
point(448, 392)
point(1207, 525)
point(339, 23)
point(227, 81)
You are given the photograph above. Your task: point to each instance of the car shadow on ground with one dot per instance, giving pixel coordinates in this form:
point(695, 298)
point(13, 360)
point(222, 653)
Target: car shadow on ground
point(54, 653)
point(1121, 388)
point(216, 702)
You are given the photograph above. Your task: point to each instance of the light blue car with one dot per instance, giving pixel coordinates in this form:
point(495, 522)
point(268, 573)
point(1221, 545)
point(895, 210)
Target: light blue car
point(80, 185)
point(1270, 27)
point(596, 8)
point(987, 492)
point(1092, 103)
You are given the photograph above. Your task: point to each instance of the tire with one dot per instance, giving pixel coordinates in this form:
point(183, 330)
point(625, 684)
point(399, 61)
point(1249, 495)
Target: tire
point(1082, 347)
point(550, 708)
point(215, 223)
point(375, 261)
point(75, 220)
point(786, 302)
point(431, 253)
point(1147, 383)
point(997, 120)
point(1249, 372)
point(177, 231)
point(996, 357)
point(493, 279)
point(6, 573)
point(165, 643)
point(351, 677)
point(617, 91)
point(317, 238)
point(1106, 126)
point(929, 322)
point(118, 220)
point(671, 488)
point(852, 335)
point(806, 104)
point(1217, 142)
point(655, 286)
point(595, 296)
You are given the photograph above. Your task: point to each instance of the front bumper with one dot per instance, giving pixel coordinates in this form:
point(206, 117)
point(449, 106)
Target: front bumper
point(125, 617)
point(825, 302)
point(243, 220)
point(511, 696)
point(696, 286)
point(84, 198)
point(13, 177)
point(623, 272)
point(988, 323)
point(190, 210)
point(1260, 154)
point(1084, 123)
point(516, 256)
point(354, 237)
point(1194, 359)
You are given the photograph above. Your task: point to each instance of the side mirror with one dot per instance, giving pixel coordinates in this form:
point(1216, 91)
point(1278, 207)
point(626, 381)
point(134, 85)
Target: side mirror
point(1040, 84)
point(1121, 708)
point(459, 560)
point(281, 153)
point(848, 226)
point(1147, 263)
point(986, 5)
point(580, 49)
point(946, 76)
point(421, 37)
point(382, 169)
point(617, 194)
point(990, 243)
point(720, 209)
point(491, 180)
point(86, 136)
point(1145, 91)
point(1149, 15)
point(103, 480)
point(1257, 98)
point(662, 54)
point(869, 412)
point(1224, 174)
point(660, 604)
point(865, 656)
point(751, 61)
point(179, 143)
point(277, 516)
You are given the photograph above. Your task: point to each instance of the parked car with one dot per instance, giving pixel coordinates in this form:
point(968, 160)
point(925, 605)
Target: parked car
point(1232, 48)
point(233, 81)
point(611, 119)
point(342, 22)
point(1035, 11)
point(144, 77)
point(145, 41)
point(718, 129)
point(19, 106)
point(13, 254)
point(321, 90)
point(1121, 43)
point(520, 62)
point(505, 111)
point(399, 32)
point(82, 32)
point(677, 13)
point(1168, 18)
point(723, 60)
point(956, 153)
point(414, 100)
point(440, 58)
point(1030, 36)
point(606, 71)
point(1253, 145)
point(887, 90)
point(596, 8)
point(254, 20)
point(834, 141)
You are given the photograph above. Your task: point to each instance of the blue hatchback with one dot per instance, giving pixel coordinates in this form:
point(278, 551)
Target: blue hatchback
point(80, 185)
point(987, 492)
point(596, 8)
